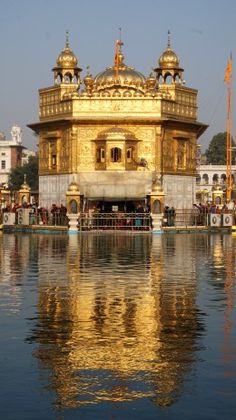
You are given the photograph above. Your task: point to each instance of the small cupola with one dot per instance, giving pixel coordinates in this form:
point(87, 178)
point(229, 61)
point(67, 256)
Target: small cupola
point(67, 70)
point(169, 70)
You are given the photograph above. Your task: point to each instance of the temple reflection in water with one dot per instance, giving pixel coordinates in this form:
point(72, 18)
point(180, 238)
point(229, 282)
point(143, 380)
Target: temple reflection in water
point(121, 321)
point(119, 318)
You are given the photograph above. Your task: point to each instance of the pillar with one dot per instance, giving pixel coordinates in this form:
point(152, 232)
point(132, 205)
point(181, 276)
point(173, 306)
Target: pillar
point(73, 201)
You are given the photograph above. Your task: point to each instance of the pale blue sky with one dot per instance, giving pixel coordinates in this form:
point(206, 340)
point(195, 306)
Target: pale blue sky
point(32, 32)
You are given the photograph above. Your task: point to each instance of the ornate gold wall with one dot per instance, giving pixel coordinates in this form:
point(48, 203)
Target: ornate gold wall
point(160, 116)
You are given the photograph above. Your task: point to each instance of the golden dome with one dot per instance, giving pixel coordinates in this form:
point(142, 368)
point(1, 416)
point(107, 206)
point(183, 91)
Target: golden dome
point(156, 187)
point(116, 132)
point(73, 187)
point(24, 186)
point(120, 75)
point(127, 77)
point(151, 81)
point(88, 80)
point(67, 58)
point(169, 59)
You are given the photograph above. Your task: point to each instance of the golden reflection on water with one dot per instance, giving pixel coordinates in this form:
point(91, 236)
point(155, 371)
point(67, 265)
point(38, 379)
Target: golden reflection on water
point(117, 316)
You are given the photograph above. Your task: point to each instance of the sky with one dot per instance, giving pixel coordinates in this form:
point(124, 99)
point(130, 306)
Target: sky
point(32, 34)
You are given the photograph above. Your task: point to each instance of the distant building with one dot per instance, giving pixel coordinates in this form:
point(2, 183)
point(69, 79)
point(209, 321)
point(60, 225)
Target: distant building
point(10, 153)
point(210, 176)
point(26, 154)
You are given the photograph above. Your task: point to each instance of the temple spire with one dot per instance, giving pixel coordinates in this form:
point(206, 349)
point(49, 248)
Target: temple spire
point(168, 40)
point(118, 56)
point(120, 34)
point(67, 39)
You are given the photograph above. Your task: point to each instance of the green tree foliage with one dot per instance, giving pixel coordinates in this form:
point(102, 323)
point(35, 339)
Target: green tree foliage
point(216, 152)
point(30, 169)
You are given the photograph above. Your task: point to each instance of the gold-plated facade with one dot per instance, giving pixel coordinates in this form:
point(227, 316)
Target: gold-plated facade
point(73, 198)
point(24, 192)
point(120, 121)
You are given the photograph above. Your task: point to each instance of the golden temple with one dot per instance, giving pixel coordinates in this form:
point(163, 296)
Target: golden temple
point(115, 134)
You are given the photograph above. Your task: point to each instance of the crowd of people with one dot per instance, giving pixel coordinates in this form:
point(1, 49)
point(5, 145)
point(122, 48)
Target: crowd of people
point(55, 215)
point(198, 215)
point(212, 208)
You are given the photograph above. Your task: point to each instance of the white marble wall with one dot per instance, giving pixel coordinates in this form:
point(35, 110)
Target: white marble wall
point(180, 191)
point(102, 184)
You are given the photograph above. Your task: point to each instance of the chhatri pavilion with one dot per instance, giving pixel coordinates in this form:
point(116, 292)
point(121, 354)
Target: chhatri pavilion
point(120, 136)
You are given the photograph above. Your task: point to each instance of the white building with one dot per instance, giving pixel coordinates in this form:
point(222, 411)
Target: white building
point(210, 176)
point(10, 153)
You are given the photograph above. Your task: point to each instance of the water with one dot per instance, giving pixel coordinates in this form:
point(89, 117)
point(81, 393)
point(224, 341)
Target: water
point(113, 326)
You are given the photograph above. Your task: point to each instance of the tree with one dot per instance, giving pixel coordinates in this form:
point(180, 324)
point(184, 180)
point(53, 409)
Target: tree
point(216, 152)
point(30, 169)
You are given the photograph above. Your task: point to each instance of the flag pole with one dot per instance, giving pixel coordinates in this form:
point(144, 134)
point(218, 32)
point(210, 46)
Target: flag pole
point(228, 80)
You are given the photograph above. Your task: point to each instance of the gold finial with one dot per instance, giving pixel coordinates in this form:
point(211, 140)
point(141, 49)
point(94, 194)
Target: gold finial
point(120, 33)
point(24, 186)
point(88, 68)
point(118, 56)
point(67, 39)
point(168, 41)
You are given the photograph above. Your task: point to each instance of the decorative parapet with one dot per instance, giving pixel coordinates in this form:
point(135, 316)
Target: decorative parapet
point(55, 104)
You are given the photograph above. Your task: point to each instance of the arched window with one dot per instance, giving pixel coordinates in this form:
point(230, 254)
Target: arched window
point(205, 178)
point(198, 179)
point(54, 160)
point(73, 207)
point(215, 178)
point(115, 154)
point(223, 178)
point(129, 154)
point(100, 155)
point(58, 79)
point(176, 78)
point(168, 79)
point(157, 207)
point(67, 78)
point(180, 154)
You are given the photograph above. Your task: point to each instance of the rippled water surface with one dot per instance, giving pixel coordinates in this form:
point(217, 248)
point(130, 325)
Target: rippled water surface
point(117, 326)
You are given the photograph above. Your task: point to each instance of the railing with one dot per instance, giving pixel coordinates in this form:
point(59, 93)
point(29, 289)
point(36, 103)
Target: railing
point(47, 218)
point(125, 221)
point(114, 221)
point(187, 218)
point(191, 218)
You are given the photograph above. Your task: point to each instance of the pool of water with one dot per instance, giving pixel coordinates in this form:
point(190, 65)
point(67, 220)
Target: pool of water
point(115, 326)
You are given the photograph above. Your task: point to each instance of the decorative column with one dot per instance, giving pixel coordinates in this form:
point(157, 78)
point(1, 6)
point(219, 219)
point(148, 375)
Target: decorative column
point(157, 197)
point(73, 199)
point(5, 197)
point(218, 195)
point(24, 193)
